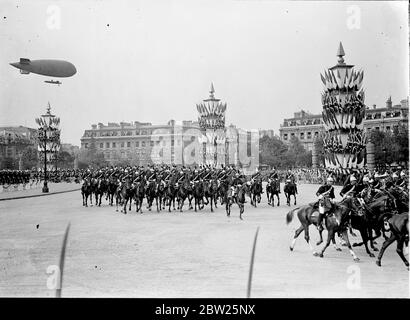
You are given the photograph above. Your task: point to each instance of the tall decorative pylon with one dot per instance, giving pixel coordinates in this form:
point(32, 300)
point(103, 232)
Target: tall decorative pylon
point(211, 120)
point(343, 114)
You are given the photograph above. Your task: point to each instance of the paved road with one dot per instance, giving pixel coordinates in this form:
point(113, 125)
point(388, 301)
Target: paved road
point(36, 190)
point(174, 254)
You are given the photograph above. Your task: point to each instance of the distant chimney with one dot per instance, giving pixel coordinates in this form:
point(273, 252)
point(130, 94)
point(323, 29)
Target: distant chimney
point(94, 126)
point(389, 104)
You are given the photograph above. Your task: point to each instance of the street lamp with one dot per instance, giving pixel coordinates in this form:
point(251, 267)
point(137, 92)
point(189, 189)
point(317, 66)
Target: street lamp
point(48, 139)
point(384, 153)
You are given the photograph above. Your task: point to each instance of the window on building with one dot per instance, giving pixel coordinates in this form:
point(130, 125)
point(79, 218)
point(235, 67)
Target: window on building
point(316, 134)
point(143, 144)
point(128, 144)
point(122, 144)
point(85, 146)
point(292, 134)
point(101, 145)
point(377, 128)
point(151, 143)
point(388, 128)
point(107, 144)
point(302, 135)
point(137, 144)
point(285, 136)
point(114, 145)
point(309, 135)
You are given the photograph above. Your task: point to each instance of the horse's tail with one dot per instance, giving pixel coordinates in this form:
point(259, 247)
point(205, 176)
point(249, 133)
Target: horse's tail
point(289, 216)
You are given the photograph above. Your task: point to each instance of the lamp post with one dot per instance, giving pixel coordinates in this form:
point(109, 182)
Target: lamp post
point(48, 139)
point(384, 153)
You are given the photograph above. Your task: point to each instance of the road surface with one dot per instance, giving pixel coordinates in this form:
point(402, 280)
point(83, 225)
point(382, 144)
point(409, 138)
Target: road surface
point(187, 254)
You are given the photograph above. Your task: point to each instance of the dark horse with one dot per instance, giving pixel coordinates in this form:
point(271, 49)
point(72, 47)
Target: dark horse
point(371, 217)
point(335, 222)
point(150, 194)
point(198, 195)
point(170, 195)
point(182, 193)
point(399, 228)
point(228, 197)
point(100, 188)
point(290, 189)
point(125, 193)
point(273, 188)
point(139, 195)
point(256, 192)
point(111, 190)
point(211, 193)
point(86, 191)
point(240, 198)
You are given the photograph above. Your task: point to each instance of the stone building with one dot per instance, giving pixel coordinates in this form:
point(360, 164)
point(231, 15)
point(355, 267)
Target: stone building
point(306, 126)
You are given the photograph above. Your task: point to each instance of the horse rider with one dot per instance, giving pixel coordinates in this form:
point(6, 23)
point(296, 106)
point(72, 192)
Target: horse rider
point(273, 175)
point(327, 190)
point(236, 183)
point(290, 176)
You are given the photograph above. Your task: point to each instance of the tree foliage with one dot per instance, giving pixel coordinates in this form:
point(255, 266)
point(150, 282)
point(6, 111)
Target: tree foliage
point(391, 147)
point(273, 152)
point(91, 157)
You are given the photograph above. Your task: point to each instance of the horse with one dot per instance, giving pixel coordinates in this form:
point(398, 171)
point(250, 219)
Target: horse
point(399, 228)
point(159, 195)
point(210, 192)
point(125, 193)
point(273, 188)
point(170, 194)
point(111, 190)
point(335, 222)
point(139, 195)
point(150, 194)
point(373, 218)
point(198, 193)
point(182, 193)
point(240, 198)
point(228, 198)
point(256, 192)
point(100, 188)
point(86, 191)
point(290, 189)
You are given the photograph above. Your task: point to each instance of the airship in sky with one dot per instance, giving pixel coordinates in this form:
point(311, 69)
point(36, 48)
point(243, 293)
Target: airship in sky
point(52, 68)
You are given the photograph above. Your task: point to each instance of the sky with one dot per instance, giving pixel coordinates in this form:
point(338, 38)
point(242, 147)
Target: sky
point(153, 61)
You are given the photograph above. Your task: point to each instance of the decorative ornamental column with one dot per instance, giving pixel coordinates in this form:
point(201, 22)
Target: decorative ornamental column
point(211, 120)
point(48, 140)
point(343, 116)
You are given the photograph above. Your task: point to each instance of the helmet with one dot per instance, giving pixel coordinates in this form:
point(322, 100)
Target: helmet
point(402, 174)
point(330, 179)
point(394, 175)
point(353, 178)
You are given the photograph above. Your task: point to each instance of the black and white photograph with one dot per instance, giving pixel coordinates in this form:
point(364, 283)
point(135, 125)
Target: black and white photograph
point(204, 149)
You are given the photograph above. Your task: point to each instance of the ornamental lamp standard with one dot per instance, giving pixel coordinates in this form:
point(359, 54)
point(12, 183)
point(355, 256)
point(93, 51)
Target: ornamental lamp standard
point(384, 153)
point(48, 140)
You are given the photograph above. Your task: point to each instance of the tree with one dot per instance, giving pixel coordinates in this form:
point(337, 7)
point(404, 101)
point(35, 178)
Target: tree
point(272, 151)
point(391, 147)
point(297, 156)
point(65, 160)
point(29, 157)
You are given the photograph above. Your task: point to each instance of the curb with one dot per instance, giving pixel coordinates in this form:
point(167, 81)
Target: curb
point(39, 195)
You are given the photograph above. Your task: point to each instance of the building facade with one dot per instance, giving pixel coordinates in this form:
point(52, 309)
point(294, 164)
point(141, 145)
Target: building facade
point(306, 126)
point(138, 143)
point(14, 140)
